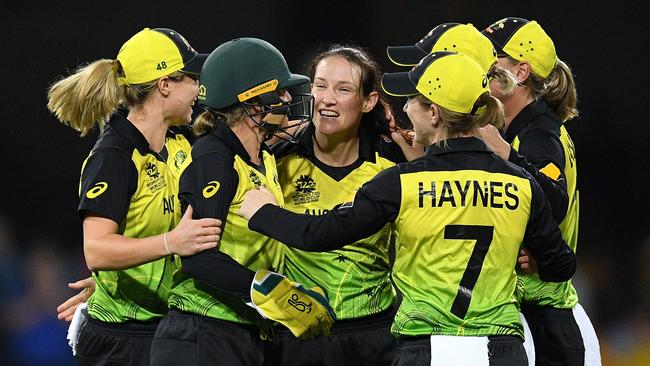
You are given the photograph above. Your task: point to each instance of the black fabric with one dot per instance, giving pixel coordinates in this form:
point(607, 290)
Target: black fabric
point(355, 342)
point(188, 339)
point(413, 351)
point(112, 170)
point(506, 351)
point(538, 130)
point(501, 32)
point(106, 344)
point(556, 335)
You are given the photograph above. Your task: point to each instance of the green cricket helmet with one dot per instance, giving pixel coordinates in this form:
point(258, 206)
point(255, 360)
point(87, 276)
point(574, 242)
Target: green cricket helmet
point(251, 71)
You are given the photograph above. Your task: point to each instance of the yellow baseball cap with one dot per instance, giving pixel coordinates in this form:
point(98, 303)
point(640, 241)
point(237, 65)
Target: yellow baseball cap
point(451, 80)
point(154, 53)
point(454, 37)
point(524, 40)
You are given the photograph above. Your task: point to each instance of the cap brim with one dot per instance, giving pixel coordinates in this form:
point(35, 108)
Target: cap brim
point(398, 84)
point(405, 55)
point(294, 80)
point(195, 64)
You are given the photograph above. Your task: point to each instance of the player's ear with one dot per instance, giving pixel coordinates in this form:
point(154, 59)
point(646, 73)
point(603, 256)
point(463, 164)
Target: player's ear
point(434, 115)
point(164, 86)
point(370, 101)
point(522, 71)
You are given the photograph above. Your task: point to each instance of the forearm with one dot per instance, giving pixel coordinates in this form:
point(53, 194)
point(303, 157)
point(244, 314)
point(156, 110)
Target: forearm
point(558, 265)
point(221, 272)
point(331, 231)
point(116, 252)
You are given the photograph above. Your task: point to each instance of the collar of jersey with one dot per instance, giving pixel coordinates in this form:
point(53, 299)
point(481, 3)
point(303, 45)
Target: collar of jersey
point(125, 128)
point(532, 110)
point(367, 142)
point(230, 139)
point(462, 144)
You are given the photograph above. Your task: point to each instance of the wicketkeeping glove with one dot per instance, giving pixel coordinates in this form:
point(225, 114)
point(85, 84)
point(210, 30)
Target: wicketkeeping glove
point(306, 312)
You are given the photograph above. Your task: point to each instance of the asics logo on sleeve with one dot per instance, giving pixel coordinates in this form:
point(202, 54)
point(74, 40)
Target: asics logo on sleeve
point(211, 189)
point(97, 190)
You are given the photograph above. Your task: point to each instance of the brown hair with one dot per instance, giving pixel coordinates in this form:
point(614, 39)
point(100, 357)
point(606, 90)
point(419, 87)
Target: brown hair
point(454, 124)
point(370, 80)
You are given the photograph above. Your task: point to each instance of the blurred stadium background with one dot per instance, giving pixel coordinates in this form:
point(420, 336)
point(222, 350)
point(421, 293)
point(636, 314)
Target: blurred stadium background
point(40, 233)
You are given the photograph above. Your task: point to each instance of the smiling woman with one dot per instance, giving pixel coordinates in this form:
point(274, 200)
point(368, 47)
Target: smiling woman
point(129, 186)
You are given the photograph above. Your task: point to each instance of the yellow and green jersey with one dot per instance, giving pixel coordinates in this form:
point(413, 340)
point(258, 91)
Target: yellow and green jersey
point(461, 214)
point(545, 149)
point(356, 278)
point(125, 181)
point(213, 182)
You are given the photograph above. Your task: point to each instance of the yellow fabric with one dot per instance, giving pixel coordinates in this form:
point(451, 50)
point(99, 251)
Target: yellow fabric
point(305, 312)
point(147, 56)
point(532, 44)
point(430, 202)
point(251, 249)
point(551, 171)
point(454, 82)
point(465, 38)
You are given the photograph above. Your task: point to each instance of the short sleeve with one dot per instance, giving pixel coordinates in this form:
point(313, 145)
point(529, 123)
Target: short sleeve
point(209, 184)
point(108, 180)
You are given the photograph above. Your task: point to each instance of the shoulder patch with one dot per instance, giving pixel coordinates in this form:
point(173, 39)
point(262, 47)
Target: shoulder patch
point(551, 171)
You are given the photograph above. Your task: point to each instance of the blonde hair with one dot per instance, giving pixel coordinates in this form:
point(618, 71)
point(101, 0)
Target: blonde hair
point(558, 90)
point(207, 120)
point(89, 96)
point(455, 124)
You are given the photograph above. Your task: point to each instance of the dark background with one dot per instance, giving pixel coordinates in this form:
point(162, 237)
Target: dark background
point(606, 46)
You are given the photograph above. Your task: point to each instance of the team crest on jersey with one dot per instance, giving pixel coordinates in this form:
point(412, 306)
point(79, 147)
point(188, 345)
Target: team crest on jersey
point(179, 158)
point(257, 182)
point(155, 181)
point(306, 192)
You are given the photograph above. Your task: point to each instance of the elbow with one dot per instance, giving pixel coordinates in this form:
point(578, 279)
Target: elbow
point(98, 259)
point(560, 209)
point(93, 259)
point(561, 273)
point(190, 265)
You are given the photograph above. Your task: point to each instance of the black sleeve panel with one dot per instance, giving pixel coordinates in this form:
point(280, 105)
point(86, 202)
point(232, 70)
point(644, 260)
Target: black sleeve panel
point(375, 204)
point(209, 184)
point(556, 262)
point(108, 181)
point(391, 151)
point(537, 149)
point(220, 271)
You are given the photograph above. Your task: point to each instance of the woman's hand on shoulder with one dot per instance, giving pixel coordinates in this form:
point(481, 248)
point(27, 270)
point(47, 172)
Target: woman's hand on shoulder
point(192, 236)
point(254, 200)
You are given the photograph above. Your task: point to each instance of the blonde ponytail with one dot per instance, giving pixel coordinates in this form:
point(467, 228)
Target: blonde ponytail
point(491, 112)
point(560, 92)
point(86, 98)
point(208, 120)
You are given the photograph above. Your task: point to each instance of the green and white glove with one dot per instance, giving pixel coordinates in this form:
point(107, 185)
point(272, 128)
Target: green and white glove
point(306, 312)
